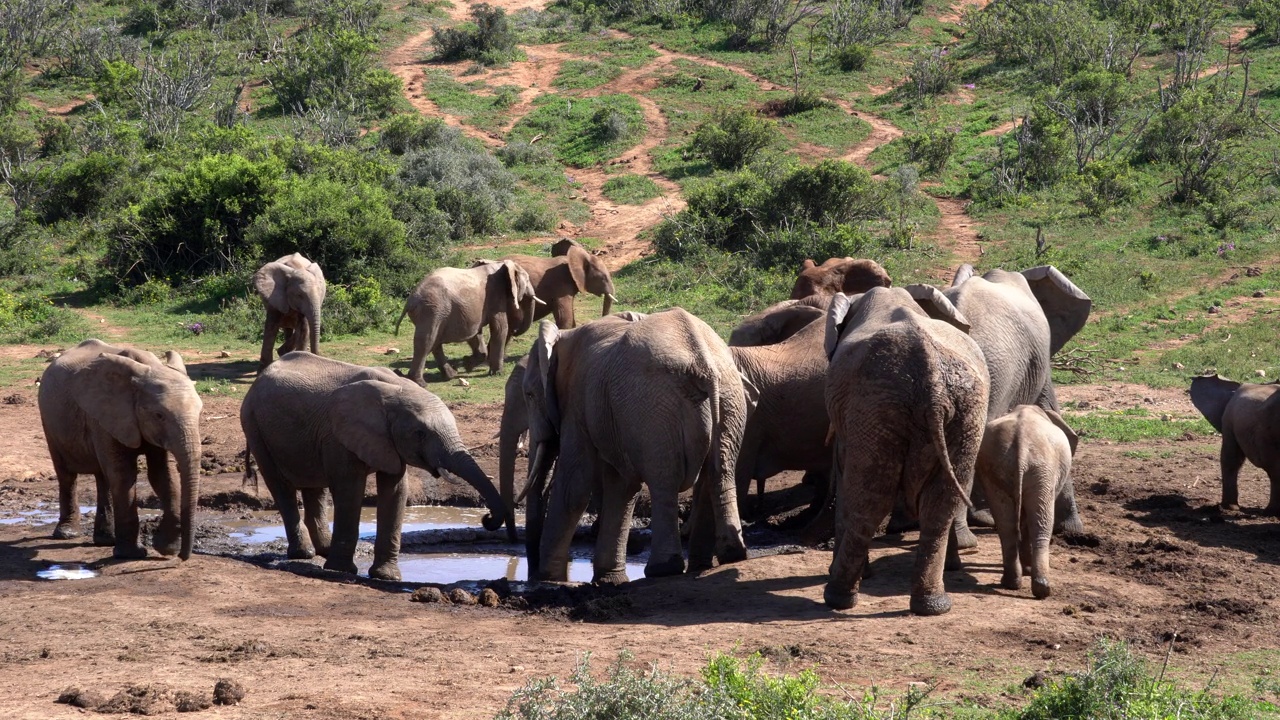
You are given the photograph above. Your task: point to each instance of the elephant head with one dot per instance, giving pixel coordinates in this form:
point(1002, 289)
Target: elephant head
point(1065, 306)
point(544, 433)
point(589, 273)
point(510, 292)
point(136, 403)
point(837, 275)
point(845, 311)
point(1210, 394)
point(778, 322)
point(293, 284)
point(389, 425)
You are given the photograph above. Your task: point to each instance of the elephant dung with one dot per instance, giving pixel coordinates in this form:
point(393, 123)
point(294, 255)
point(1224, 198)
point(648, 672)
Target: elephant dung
point(228, 692)
point(489, 598)
point(428, 595)
point(75, 697)
point(461, 597)
point(186, 701)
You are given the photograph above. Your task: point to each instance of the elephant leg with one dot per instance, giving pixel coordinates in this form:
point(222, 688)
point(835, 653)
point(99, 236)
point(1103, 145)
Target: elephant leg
point(392, 493)
point(1038, 530)
point(980, 515)
point(122, 474)
point(1232, 458)
point(860, 507)
point(478, 355)
point(666, 556)
point(562, 311)
point(1008, 523)
point(286, 500)
point(269, 332)
point(1065, 511)
point(497, 343)
point(315, 516)
point(167, 537)
point(289, 344)
point(928, 596)
point(104, 519)
point(424, 341)
point(1273, 504)
point(348, 492)
point(567, 499)
point(68, 502)
point(443, 363)
point(617, 502)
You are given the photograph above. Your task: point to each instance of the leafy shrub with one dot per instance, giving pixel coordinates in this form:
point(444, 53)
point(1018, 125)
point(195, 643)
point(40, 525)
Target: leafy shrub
point(1060, 37)
point(1199, 136)
point(630, 189)
point(851, 58)
point(798, 102)
point(488, 40)
point(1106, 185)
point(356, 309)
point(115, 80)
point(932, 72)
point(411, 131)
point(932, 148)
point(733, 138)
point(534, 215)
point(519, 152)
point(151, 292)
point(30, 317)
point(470, 185)
point(583, 131)
point(78, 188)
point(1266, 18)
point(610, 125)
point(346, 228)
point(323, 69)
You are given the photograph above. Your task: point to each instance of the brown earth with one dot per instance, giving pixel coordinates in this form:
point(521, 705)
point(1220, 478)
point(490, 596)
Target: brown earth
point(1158, 558)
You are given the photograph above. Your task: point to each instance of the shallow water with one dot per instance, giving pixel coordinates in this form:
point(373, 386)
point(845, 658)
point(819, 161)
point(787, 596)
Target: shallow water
point(449, 568)
point(265, 526)
point(69, 571)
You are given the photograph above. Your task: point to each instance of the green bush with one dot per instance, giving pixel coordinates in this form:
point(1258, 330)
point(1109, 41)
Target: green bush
point(1106, 185)
point(851, 58)
point(1266, 18)
point(534, 215)
point(356, 309)
point(470, 185)
point(932, 72)
point(411, 131)
point(610, 126)
point(630, 189)
point(733, 138)
point(583, 131)
point(932, 148)
point(519, 152)
point(332, 69)
point(489, 39)
point(30, 318)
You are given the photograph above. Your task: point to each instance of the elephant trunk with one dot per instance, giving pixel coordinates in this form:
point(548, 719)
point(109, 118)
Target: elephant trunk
point(460, 463)
point(513, 424)
point(313, 320)
point(187, 455)
point(522, 317)
point(542, 455)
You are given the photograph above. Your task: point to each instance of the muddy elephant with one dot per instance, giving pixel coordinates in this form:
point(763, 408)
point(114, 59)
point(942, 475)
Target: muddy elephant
point(1248, 416)
point(907, 396)
point(839, 275)
point(788, 429)
point(619, 403)
point(293, 289)
point(557, 279)
point(1020, 320)
point(313, 423)
point(454, 304)
point(102, 407)
point(1024, 459)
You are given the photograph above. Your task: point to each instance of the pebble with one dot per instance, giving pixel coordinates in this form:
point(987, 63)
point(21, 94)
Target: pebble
point(1083, 405)
point(1214, 309)
point(1166, 418)
point(224, 354)
point(1179, 366)
point(228, 692)
point(517, 668)
point(1259, 293)
point(463, 382)
point(1262, 373)
point(392, 351)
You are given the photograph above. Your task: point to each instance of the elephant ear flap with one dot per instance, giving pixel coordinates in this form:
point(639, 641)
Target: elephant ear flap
point(272, 283)
point(807, 264)
point(1065, 305)
point(836, 314)
point(964, 272)
point(937, 306)
point(362, 426)
point(562, 247)
point(1210, 395)
point(1072, 438)
point(317, 279)
point(174, 360)
point(105, 391)
point(577, 262)
point(631, 315)
point(544, 352)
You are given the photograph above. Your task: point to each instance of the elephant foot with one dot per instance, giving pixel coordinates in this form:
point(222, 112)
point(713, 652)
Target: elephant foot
point(129, 552)
point(67, 532)
point(1040, 587)
point(300, 553)
point(1273, 510)
point(346, 566)
point(448, 372)
point(981, 517)
point(839, 599)
point(385, 571)
point(930, 605)
point(952, 563)
point(611, 577)
point(673, 565)
point(1011, 581)
point(965, 539)
point(732, 554)
point(166, 542)
point(104, 539)
point(1069, 525)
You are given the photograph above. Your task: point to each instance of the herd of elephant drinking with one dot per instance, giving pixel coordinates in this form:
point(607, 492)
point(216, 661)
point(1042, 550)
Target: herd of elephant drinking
point(894, 399)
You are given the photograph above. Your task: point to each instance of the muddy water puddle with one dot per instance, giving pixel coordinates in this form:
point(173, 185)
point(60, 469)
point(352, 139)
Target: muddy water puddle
point(67, 571)
point(463, 568)
point(265, 526)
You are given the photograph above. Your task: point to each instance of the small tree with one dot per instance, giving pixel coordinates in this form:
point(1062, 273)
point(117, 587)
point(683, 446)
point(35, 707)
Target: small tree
point(733, 138)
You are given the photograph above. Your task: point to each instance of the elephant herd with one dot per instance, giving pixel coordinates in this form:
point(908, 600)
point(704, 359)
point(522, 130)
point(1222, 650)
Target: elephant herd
point(892, 400)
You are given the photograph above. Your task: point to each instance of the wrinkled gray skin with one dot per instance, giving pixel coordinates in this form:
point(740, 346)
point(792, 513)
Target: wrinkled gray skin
point(1248, 416)
point(1020, 320)
point(788, 429)
point(514, 423)
point(556, 280)
point(907, 398)
point(619, 403)
point(293, 289)
point(453, 305)
point(1024, 461)
point(101, 407)
point(313, 423)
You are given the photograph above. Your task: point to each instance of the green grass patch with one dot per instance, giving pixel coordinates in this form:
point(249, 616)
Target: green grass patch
point(583, 131)
point(584, 75)
point(630, 189)
point(827, 127)
point(475, 103)
point(1136, 425)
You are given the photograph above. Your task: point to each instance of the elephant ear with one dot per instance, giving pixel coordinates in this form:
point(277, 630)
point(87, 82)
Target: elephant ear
point(564, 245)
point(964, 272)
point(777, 323)
point(631, 315)
point(544, 352)
point(837, 311)
point(937, 306)
point(106, 392)
point(1065, 305)
point(808, 264)
point(577, 260)
point(362, 425)
point(174, 360)
point(317, 278)
point(1056, 419)
point(272, 283)
point(1210, 395)
point(751, 392)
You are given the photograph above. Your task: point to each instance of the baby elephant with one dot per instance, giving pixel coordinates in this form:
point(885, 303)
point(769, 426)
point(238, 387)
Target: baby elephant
point(1024, 461)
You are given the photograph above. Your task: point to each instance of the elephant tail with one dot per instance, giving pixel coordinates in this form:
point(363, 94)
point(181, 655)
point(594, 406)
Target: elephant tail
point(250, 471)
point(403, 312)
point(936, 383)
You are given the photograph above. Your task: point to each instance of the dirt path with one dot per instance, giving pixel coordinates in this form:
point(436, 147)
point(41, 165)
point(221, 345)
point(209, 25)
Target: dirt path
point(406, 63)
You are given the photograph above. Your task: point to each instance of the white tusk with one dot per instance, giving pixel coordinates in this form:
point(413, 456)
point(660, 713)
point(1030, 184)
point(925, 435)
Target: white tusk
point(539, 300)
point(611, 297)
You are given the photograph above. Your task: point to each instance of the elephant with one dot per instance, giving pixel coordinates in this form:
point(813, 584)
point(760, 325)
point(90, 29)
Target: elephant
point(1248, 416)
point(778, 322)
point(101, 407)
point(558, 278)
point(313, 423)
point(453, 304)
point(1024, 459)
point(1020, 320)
point(627, 401)
point(293, 290)
point(788, 429)
point(907, 395)
point(839, 275)
point(512, 425)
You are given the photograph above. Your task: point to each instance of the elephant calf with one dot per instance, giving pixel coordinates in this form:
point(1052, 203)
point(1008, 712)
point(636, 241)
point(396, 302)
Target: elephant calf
point(1024, 461)
point(838, 275)
point(1248, 416)
point(557, 279)
point(293, 289)
point(314, 423)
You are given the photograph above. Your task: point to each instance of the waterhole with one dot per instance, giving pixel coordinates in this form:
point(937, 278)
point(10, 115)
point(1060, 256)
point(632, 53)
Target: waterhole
point(68, 571)
point(451, 568)
point(265, 525)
